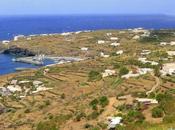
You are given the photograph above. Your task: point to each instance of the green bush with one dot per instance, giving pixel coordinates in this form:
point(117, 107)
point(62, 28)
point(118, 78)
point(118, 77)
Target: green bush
point(94, 104)
point(93, 115)
point(94, 76)
point(163, 97)
point(134, 116)
point(169, 119)
point(47, 102)
point(157, 112)
point(47, 125)
point(123, 71)
point(103, 101)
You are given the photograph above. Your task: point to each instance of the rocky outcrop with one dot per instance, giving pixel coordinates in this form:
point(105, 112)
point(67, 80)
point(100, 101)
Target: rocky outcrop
point(18, 51)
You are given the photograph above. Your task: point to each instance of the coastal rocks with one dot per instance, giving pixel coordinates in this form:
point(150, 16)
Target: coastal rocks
point(18, 51)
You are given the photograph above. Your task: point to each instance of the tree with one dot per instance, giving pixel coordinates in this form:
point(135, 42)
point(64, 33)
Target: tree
point(157, 112)
point(94, 76)
point(104, 101)
point(123, 71)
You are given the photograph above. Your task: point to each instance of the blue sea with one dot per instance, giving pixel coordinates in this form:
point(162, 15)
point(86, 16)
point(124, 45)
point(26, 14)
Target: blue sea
point(11, 26)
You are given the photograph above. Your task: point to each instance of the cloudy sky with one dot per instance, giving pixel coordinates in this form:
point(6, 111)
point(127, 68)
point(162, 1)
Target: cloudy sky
point(54, 7)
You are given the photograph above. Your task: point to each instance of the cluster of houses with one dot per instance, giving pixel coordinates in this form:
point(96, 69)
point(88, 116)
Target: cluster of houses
point(144, 60)
point(172, 43)
point(115, 121)
point(114, 43)
point(23, 88)
point(140, 33)
point(139, 72)
point(168, 69)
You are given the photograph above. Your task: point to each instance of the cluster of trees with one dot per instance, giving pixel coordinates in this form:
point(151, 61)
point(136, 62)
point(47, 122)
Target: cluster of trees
point(94, 75)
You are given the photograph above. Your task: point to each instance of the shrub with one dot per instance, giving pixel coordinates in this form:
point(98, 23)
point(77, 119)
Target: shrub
point(63, 96)
point(94, 104)
point(157, 71)
point(123, 71)
point(169, 119)
point(134, 116)
point(94, 76)
point(157, 112)
point(163, 97)
point(80, 116)
point(95, 128)
point(48, 125)
point(27, 110)
point(87, 126)
point(47, 102)
point(104, 101)
point(93, 115)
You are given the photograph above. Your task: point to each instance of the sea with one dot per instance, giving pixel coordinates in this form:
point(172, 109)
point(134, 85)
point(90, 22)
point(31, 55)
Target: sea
point(11, 26)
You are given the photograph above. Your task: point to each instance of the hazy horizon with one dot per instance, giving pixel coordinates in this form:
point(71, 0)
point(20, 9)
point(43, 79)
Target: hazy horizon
point(85, 7)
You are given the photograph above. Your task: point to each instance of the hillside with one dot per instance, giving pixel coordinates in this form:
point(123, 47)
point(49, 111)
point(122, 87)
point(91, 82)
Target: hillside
point(119, 70)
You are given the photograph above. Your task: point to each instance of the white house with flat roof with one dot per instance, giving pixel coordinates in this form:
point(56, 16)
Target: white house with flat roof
point(103, 55)
point(16, 38)
point(171, 53)
point(101, 42)
point(115, 44)
point(84, 49)
point(108, 73)
point(114, 38)
point(113, 122)
point(5, 42)
point(168, 68)
point(119, 52)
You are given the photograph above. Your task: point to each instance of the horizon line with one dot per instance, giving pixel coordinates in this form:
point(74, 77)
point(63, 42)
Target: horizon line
point(124, 14)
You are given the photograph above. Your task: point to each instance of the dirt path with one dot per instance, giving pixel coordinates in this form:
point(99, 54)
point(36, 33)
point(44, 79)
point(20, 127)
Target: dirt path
point(155, 86)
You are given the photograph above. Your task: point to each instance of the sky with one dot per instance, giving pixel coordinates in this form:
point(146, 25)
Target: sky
point(61, 7)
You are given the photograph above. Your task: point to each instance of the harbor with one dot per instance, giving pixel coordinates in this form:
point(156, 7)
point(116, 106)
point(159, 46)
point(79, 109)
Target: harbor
point(11, 64)
point(7, 64)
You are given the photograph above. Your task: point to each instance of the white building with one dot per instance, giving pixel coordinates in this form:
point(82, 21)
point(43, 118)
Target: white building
point(113, 122)
point(108, 73)
point(171, 53)
point(114, 38)
point(5, 42)
point(119, 52)
point(144, 60)
point(172, 43)
point(139, 30)
point(145, 52)
point(14, 88)
point(163, 43)
point(78, 32)
point(140, 71)
point(103, 55)
point(115, 44)
point(44, 35)
point(108, 34)
point(136, 37)
point(66, 34)
point(16, 38)
point(100, 41)
point(29, 38)
point(84, 49)
point(147, 101)
point(168, 68)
